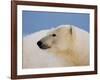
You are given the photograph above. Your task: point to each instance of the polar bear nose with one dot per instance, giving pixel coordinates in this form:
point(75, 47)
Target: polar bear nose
point(39, 43)
point(42, 45)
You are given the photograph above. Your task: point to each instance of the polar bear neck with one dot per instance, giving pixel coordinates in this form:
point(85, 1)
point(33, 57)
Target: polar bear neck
point(69, 56)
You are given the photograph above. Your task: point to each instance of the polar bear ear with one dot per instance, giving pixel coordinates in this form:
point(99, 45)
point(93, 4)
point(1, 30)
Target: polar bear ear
point(70, 29)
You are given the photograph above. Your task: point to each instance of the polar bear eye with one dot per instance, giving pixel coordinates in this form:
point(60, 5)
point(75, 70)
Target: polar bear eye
point(53, 35)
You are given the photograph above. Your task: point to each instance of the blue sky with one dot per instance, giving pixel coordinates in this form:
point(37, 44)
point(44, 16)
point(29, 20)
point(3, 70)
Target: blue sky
point(34, 21)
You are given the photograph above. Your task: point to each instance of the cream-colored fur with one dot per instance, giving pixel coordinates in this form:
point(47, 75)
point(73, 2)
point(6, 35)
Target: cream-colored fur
point(70, 47)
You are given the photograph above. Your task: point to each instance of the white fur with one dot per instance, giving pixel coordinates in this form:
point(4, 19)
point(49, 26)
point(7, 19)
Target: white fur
point(76, 53)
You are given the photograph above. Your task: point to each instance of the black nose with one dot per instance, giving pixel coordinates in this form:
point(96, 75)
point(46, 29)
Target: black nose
point(39, 43)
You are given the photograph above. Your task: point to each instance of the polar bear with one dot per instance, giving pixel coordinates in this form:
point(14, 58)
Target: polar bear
point(66, 45)
point(68, 42)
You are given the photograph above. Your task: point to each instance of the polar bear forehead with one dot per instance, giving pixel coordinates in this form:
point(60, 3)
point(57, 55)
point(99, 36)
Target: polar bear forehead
point(62, 28)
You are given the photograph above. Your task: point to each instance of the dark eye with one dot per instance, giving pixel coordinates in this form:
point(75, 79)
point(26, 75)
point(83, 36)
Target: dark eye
point(53, 35)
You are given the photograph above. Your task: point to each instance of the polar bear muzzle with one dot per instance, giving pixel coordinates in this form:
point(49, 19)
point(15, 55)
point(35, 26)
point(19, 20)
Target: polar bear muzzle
point(42, 46)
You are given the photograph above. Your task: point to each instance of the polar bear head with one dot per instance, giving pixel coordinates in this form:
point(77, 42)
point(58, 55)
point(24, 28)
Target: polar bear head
point(59, 39)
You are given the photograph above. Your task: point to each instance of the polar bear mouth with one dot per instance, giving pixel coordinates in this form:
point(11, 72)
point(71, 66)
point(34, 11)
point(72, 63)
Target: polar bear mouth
point(42, 46)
